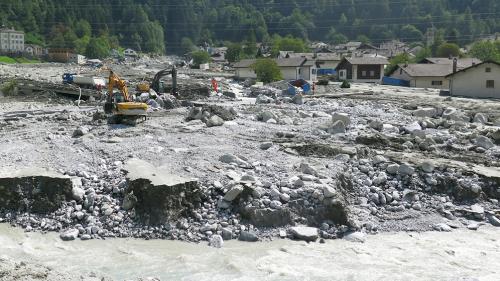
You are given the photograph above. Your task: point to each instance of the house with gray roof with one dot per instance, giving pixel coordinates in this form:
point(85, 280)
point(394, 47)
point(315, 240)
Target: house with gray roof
point(291, 68)
point(431, 72)
point(461, 62)
point(368, 69)
point(424, 75)
point(480, 80)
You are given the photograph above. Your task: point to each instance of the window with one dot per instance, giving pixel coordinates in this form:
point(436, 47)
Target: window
point(363, 73)
point(488, 69)
point(490, 84)
point(314, 71)
point(372, 73)
point(437, 83)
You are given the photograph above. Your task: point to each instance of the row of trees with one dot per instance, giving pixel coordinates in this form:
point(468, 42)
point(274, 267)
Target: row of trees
point(157, 25)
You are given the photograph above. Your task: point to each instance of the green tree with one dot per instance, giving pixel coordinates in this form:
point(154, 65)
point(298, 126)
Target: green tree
point(486, 50)
point(83, 29)
point(267, 70)
point(187, 45)
point(234, 52)
point(288, 43)
point(98, 48)
point(396, 61)
point(363, 39)
point(250, 47)
point(422, 54)
point(411, 33)
point(448, 49)
point(200, 57)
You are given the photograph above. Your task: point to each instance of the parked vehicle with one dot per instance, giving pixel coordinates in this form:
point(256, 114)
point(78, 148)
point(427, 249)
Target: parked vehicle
point(84, 81)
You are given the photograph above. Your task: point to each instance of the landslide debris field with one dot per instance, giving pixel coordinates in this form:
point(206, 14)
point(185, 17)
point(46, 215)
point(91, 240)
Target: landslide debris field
point(251, 164)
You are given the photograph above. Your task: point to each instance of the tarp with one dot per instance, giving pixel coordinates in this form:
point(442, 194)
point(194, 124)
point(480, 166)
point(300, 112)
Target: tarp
point(395, 82)
point(301, 84)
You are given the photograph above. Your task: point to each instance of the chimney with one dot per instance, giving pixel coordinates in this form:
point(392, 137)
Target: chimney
point(455, 65)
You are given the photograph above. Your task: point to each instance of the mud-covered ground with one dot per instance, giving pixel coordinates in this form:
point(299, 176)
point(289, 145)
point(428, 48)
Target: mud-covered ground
point(402, 160)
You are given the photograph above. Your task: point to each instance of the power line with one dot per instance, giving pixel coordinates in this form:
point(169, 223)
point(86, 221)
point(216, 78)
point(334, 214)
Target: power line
point(449, 18)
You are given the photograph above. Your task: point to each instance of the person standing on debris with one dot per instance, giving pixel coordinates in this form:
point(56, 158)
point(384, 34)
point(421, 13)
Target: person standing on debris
point(215, 85)
point(314, 88)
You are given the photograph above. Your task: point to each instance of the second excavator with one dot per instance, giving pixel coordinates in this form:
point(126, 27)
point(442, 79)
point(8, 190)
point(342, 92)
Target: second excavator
point(121, 105)
point(157, 85)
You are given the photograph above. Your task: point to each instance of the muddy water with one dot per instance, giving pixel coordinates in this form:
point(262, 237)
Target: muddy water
point(460, 255)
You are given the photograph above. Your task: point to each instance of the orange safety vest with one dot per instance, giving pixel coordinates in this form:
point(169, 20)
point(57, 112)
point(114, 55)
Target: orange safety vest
point(215, 86)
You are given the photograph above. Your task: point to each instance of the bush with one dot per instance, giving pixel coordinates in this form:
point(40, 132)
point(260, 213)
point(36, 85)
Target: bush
point(200, 57)
point(345, 85)
point(8, 88)
point(267, 70)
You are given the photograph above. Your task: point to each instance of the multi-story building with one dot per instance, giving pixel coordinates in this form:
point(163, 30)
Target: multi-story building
point(11, 41)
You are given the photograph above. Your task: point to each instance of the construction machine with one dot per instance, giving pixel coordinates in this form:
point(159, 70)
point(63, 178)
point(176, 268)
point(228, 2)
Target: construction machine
point(121, 105)
point(156, 84)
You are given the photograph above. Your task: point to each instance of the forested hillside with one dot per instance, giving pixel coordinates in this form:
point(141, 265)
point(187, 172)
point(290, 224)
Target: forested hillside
point(159, 25)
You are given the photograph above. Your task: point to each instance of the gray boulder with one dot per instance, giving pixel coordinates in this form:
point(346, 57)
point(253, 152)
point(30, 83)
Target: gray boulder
point(341, 117)
point(392, 169)
point(248, 236)
point(215, 121)
point(415, 126)
point(216, 241)
point(442, 227)
point(480, 118)
point(266, 116)
point(77, 191)
point(70, 234)
point(338, 127)
point(484, 142)
point(358, 237)
point(262, 99)
point(233, 193)
point(376, 125)
point(406, 170)
point(455, 115)
point(427, 167)
point(298, 99)
point(266, 145)
point(425, 112)
point(309, 234)
point(495, 221)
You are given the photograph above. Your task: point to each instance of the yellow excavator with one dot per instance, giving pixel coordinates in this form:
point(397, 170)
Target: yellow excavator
point(120, 105)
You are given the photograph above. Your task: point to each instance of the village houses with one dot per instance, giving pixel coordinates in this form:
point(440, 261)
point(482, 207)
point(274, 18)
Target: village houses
point(291, 69)
point(362, 69)
point(430, 72)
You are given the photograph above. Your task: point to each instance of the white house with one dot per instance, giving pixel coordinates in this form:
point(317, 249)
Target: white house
point(291, 69)
point(324, 61)
point(11, 41)
point(76, 58)
point(477, 81)
point(34, 50)
point(424, 75)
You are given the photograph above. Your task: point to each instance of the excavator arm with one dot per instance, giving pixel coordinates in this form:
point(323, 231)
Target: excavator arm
point(155, 85)
point(115, 81)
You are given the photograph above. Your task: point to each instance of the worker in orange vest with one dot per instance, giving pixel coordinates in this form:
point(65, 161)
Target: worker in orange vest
point(215, 85)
